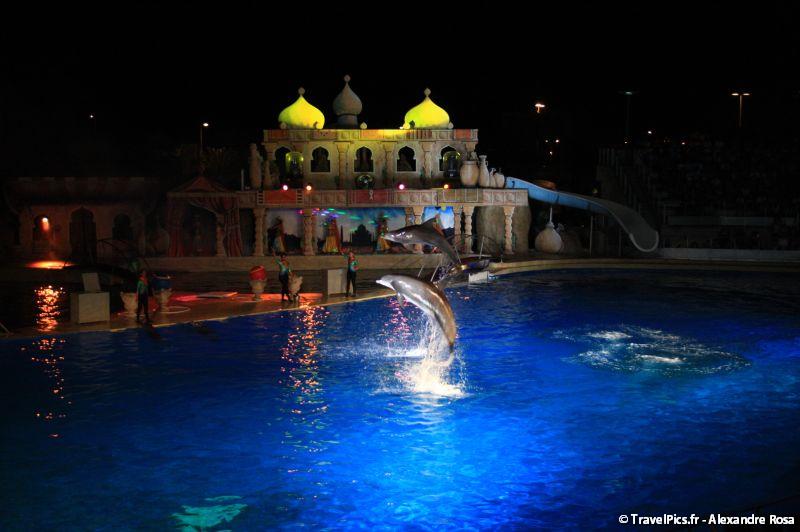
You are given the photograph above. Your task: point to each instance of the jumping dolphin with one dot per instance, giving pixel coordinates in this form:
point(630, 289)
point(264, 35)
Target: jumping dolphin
point(424, 234)
point(430, 299)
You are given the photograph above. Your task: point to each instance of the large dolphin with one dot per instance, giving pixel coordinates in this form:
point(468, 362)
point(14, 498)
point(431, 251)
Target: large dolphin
point(430, 299)
point(424, 234)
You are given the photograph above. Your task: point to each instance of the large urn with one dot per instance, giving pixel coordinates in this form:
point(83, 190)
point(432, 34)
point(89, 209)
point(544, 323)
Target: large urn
point(162, 296)
point(130, 301)
point(485, 178)
point(469, 173)
point(548, 240)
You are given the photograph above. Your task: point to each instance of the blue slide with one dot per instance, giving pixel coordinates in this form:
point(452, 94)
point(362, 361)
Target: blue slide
point(642, 236)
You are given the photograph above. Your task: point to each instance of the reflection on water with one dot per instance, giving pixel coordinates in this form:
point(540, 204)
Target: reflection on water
point(47, 307)
point(48, 353)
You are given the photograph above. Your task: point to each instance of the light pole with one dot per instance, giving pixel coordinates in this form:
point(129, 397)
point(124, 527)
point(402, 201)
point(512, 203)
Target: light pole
point(202, 127)
point(741, 96)
point(627, 95)
point(539, 106)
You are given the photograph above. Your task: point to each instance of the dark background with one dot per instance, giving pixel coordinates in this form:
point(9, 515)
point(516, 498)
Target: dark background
point(151, 73)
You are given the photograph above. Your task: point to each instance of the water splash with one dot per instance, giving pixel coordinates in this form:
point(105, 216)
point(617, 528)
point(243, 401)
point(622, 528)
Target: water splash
point(432, 372)
point(642, 349)
point(200, 518)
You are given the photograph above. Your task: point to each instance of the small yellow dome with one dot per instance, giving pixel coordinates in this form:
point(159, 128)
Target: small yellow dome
point(427, 115)
point(301, 114)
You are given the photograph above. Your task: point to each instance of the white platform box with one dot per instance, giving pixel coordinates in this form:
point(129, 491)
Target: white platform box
point(479, 277)
point(89, 307)
point(334, 282)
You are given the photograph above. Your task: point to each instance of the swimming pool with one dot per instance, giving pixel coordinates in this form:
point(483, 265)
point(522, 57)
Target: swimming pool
point(574, 397)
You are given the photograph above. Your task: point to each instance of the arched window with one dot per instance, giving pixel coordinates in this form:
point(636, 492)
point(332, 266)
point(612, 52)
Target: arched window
point(449, 161)
point(320, 161)
point(405, 160)
point(363, 162)
point(122, 229)
point(41, 228)
point(280, 161)
point(83, 235)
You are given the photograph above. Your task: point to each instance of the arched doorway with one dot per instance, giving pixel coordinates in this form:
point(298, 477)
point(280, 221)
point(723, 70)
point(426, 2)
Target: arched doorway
point(83, 236)
point(320, 161)
point(363, 162)
point(405, 160)
point(449, 161)
point(42, 234)
point(280, 162)
point(122, 229)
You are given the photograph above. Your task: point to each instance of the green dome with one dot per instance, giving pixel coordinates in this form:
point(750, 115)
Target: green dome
point(427, 115)
point(301, 115)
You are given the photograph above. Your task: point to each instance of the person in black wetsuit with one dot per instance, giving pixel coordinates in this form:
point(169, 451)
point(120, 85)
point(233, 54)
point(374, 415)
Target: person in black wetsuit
point(283, 277)
point(352, 268)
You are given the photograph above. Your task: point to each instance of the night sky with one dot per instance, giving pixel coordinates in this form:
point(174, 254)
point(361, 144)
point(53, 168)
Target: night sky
point(151, 74)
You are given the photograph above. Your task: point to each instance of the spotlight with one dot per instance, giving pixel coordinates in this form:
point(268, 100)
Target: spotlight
point(308, 188)
point(446, 186)
point(401, 186)
point(285, 187)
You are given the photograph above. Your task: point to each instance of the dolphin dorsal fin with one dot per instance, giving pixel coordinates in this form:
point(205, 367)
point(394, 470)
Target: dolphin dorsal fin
point(429, 223)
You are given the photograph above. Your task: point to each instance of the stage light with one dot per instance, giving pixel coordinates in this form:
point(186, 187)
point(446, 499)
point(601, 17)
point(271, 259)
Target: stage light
point(285, 187)
point(401, 186)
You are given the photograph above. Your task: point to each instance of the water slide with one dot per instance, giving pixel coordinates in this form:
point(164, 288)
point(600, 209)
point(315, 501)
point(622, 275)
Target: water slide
point(642, 236)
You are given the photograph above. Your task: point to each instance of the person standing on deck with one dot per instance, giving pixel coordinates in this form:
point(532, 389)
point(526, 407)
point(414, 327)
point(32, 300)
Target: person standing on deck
point(352, 268)
point(142, 295)
point(283, 277)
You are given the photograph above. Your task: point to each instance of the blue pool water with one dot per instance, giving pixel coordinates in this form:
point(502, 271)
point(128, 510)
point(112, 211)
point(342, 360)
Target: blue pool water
point(574, 397)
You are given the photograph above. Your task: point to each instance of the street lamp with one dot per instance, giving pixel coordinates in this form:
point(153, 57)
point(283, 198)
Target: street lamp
point(627, 95)
point(741, 96)
point(202, 127)
point(539, 106)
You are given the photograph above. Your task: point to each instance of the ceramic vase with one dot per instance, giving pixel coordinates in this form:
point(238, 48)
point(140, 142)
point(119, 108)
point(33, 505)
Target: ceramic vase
point(129, 301)
point(469, 173)
point(162, 296)
point(484, 177)
point(258, 288)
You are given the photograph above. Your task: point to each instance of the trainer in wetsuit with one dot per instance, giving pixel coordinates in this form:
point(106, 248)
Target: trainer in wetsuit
point(142, 295)
point(283, 277)
point(352, 268)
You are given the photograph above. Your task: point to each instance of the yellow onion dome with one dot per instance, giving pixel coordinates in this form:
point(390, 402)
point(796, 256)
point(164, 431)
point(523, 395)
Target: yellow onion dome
point(427, 115)
point(301, 115)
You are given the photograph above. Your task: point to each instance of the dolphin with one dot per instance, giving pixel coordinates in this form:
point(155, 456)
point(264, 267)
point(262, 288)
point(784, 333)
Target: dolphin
point(428, 298)
point(424, 234)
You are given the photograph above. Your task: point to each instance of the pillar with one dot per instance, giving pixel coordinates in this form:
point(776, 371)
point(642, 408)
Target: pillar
point(457, 224)
point(427, 161)
point(258, 220)
point(418, 211)
point(509, 236)
point(220, 236)
point(344, 164)
point(388, 150)
point(468, 210)
point(409, 216)
point(308, 233)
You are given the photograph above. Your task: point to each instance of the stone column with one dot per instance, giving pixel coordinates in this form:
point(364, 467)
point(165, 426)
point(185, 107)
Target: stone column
point(308, 233)
point(509, 238)
point(468, 210)
point(409, 216)
point(220, 236)
point(344, 164)
point(427, 160)
point(418, 211)
point(388, 150)
point(258, 220)
point(457, 224)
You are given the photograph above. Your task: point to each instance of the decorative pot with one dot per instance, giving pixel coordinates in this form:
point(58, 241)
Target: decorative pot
point(484, 177)
point(258, 288)
point(548, 240)
point(130, 301)
point(499, 180)
point(469, 173)
point(162, 296)
point(258, 273)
